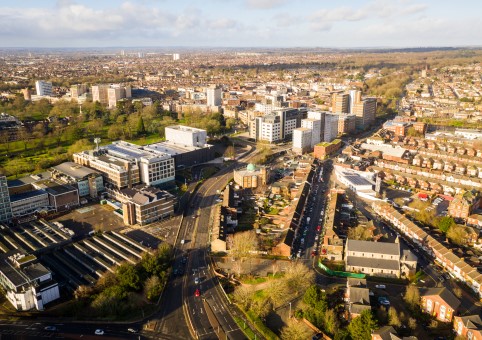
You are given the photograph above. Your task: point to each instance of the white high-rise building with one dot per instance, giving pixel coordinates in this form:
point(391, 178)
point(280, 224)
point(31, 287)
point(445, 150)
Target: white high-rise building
point(331, 127)
point(213, 96)
point(176, 56)
point(319, 115)
point(302, 140)
point(43, 88)
point(315, 126)
point(117, 92)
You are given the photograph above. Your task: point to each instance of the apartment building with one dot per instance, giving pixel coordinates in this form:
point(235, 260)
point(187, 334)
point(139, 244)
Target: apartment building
point(464, 204)
point(43, 88)
point(319, 115)
point(324, 149)
point(331, 127)
point(365, 111)
point(78, 90)
point(27, 284)
point(116, 93)
point(314, 125)
point(346, 123)
point(340, 103)
point(99, 94)
point(277, 126)
point(214, 95)
point(302, 139)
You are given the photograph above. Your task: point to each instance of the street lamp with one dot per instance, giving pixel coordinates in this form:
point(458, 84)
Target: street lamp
point(289, 315)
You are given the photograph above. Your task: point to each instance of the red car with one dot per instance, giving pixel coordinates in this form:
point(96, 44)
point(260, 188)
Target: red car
point(197, 292)
point(313, 253)
point(318, 228)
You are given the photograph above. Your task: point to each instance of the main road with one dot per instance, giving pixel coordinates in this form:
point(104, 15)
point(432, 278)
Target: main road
point(183, 314)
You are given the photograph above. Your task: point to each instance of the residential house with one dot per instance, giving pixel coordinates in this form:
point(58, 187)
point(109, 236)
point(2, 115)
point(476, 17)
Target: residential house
point(469, 326)
point(440, 303)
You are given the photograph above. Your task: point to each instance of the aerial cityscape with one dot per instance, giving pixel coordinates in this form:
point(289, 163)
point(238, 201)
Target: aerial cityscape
point(243, 169)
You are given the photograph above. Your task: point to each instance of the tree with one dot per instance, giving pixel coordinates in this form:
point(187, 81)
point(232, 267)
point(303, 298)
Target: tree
point(445, 223)
point(412, 297)
point(153, 288)
point(276, 291)
point(457, 235)
point(332, 324)
point(25, 137)
point(230, 152)
point(298, 277)
point(412, 323)
point(360, 233)
point(295, 330)
point(361, 327)
point(128, 277)
point(115, 132)
point(230, 123)
point(244, 244)
point(141, 129)
point(393, 319)
point(243, 296)
point(81, 145)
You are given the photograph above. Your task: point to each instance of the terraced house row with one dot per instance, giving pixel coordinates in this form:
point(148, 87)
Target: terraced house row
point(444, 256)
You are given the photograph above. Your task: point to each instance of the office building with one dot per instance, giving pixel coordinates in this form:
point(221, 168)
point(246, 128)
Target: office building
point(61, 196)
point(27, 203)
point(186, 135)
point(5, 208)
point(213, 96)
point(143, 205)
point(302, 138)
point(27, 284)
point(43, 88)
point(88, 182)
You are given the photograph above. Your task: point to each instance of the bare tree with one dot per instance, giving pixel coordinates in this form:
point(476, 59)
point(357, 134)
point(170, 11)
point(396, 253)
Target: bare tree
point(276, 291)
point(243, 296)
point(295, 330)
point(412, 297)
point(298, 277)
point(393, 319)
point(244, 244)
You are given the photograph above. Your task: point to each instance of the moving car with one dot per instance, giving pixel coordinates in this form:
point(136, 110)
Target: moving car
point(50, 328)
point(380, 286)
point(197, 292)
point(99, 332)
point(383, 301)
point(132, 330)
point(196, 280)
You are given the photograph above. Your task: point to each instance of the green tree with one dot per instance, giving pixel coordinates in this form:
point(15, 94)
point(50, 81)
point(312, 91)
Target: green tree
point(81, 145)
point(141, 129)
point(332, 324)
point(128, 277)
point(445, 223)
point(361, 327)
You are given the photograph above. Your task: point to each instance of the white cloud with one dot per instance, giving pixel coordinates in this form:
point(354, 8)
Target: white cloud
point(265, 4)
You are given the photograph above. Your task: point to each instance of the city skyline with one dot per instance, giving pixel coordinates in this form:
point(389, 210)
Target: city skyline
point(239, 23)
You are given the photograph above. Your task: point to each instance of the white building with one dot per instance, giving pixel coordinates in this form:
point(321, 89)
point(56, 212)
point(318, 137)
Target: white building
point(267, 128)
point(27, 283)
point(315, 126)
point(43, 88)
point(331, 127)
point(186, 135)
point(468, 134)
point(265, 108)
point(116, 93)
point(176, 56)
point(27, 203)
point(213, 96)
point(302, 138)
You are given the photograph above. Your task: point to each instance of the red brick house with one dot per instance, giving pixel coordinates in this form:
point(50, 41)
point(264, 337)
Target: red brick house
point(469, 326)
point(440, 303)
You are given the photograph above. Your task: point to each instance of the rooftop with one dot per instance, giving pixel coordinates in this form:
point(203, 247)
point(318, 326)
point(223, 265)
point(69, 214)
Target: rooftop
point(26, 195)
point(75, 170)
point(385, 248)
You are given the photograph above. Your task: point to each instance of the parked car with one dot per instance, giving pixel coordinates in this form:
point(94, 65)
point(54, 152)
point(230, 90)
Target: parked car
point(196, 280)
point(132, 330)
point(197, 293)
point(383, 301)
point(380, 286)
point(99, 332)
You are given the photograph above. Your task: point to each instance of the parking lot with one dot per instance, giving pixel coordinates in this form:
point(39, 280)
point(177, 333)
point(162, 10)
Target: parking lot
point(91, 217)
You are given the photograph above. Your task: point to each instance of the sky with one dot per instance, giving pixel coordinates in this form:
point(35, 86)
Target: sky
point(240, 23)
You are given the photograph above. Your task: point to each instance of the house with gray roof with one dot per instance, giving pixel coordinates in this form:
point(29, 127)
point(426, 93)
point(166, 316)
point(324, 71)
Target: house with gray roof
point(378, 258)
